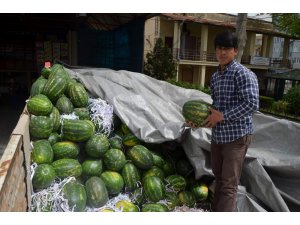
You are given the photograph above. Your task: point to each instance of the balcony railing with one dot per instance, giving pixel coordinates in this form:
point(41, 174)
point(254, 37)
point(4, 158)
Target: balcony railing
point(196, 55)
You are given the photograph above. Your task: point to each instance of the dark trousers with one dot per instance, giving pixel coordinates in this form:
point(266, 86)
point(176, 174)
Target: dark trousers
point(227, 162)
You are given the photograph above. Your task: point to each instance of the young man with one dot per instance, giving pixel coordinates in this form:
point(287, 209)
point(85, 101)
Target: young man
point(235, 94)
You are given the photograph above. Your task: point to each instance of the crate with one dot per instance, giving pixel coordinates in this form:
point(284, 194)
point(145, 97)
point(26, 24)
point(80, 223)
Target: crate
point(15, 183)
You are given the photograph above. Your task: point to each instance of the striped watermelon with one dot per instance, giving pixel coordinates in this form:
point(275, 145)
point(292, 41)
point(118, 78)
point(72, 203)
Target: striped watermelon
point(154, 188)
point(187, 198)
point(196, 111)
point(96, 192)
point(46, 72)
point(75, 193)
point(131, 176)
point(40, 127)
point(78, 95)
point(200, 192)
point(140, 156)
point(97, 145)
point(77, 130)
point(39, 105)
point(53, 138)
point(113, 181)
point(38, 86)
point(65, 149)
point(176, 182)
point(64, 105)
point(92, 167)
point(43, 177)
point(130, 140)
point(172, 200)
point(42, 152)
point(154, 207)
point(67, 167)
point(55, 117)
point(114, 159)
point(154, 171)
point(126, 206)
point(82, 113)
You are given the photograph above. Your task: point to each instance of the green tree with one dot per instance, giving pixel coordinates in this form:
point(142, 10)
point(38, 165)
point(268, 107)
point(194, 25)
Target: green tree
point(160, 63)
point(287, 22)
point(293, 98)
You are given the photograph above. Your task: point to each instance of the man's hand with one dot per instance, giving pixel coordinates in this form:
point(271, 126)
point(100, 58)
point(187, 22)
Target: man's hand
point(214, 118)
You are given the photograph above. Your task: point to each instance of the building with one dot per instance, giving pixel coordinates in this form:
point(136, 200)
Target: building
point(191, 38)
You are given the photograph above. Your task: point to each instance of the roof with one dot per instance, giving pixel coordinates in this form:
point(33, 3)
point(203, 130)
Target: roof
point(229, 21)
point(65, 21)
point(293, 74)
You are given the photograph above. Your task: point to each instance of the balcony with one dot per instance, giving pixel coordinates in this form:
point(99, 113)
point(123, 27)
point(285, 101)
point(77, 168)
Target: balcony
point(196, 55)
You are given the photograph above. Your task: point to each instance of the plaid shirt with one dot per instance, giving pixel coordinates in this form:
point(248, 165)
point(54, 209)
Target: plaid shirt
point(235, 93)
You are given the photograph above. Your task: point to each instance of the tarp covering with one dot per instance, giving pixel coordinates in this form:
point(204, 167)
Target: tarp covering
point(152, 110)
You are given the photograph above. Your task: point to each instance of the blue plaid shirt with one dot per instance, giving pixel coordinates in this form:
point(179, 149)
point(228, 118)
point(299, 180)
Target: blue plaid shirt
point(235, 93)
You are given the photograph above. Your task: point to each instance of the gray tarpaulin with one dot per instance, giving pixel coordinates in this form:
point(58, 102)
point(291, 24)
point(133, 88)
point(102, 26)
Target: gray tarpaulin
point(152, 110)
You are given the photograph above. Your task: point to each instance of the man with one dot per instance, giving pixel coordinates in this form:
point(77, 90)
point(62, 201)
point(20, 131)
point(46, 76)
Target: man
point(235, 94)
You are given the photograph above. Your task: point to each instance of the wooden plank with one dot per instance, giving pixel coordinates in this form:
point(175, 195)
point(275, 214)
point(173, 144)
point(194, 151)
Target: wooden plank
point(12, 177)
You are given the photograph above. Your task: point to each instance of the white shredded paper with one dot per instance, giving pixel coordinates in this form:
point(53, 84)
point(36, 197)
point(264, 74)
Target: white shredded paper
point(101, 114)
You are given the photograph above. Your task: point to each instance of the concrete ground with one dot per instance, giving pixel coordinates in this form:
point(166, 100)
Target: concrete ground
point(9, 116)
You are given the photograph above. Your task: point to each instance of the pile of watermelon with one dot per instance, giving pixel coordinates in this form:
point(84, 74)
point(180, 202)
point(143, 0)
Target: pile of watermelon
point(94, 165)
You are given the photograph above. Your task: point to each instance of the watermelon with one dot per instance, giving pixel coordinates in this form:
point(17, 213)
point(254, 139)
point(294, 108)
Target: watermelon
point(92, 167)
point(114, 159)
point(125, 129)
point(113, 181)
point(172, 200)
point(82, 113)
point(78, 95)
point(65, 149)
point(55, 117)
point(200, 192)
point(77, 130)
point(116, 142)
point(43, 177)
point(56, 83)
point(168, 168)
point(39, 105)
point(64, 105)
point(38, 86)
point(154, 188)
point(42, 152)
point(187, 198)
point(46, 72)
point(196, 111)
point(137, 196)
point(176, 182)
point(154, 171)
point(40, 127)
point(96, 192)
point(154, 207)
point(70, 83)
point(126, 206)
point(53, 138)
point(158, 160)
point(131, 176)
point(75, 193)
point(67, 167)
point(97, 145)
point(130, 140)
point(140, 156)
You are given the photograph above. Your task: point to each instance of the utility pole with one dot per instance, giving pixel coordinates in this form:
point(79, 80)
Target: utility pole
point(241, 24)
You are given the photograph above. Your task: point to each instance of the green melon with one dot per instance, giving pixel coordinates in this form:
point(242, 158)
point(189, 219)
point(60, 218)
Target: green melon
point(64, 105)
point(38, 86)
point(42, 152)
point(75, 193)
point(131, 176)
point(97, 145)
point(176, 182)
point(43, 177)
point(55, 117)
point(196, 111)
point(140, 156)
point(130, 140)
point(65, 149)
point(113, 181)
point(114, 159)
point(172, 200)
point(77, 130)
point(96, 192)
point(39, 105)
point(82, 113)
point(187, 198)
point(200, 192)
point(154, 188)
point(78, 95)
point(116, 142)
point(53, 138)
point(154, 207)
point(154, 171)
point(67, 167)
point(40, 127)
point(92, 167)
point(46, 72)
point(126, 206)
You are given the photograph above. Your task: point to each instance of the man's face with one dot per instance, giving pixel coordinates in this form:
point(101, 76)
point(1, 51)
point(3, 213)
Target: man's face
point(225, 54)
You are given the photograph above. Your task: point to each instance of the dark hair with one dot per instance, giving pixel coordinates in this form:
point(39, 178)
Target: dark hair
point(226, 39)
